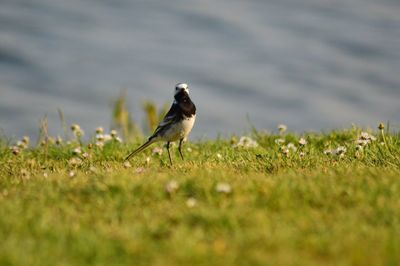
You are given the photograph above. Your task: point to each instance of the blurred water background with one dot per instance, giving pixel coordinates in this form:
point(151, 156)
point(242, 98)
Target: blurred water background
point(310, 64)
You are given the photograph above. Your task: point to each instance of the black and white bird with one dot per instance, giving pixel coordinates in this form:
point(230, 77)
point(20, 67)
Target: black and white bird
point(177, 123)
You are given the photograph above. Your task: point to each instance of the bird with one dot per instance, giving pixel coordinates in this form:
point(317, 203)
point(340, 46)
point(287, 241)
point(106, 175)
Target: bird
point(177, 123)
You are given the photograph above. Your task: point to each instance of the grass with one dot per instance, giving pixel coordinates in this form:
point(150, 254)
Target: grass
point(226, 204)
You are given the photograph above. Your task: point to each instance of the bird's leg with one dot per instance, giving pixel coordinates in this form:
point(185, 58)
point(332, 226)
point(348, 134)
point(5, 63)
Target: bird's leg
point(169, 155)
point(180, 148)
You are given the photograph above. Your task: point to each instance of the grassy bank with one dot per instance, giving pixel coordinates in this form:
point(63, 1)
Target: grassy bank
point(272, 199)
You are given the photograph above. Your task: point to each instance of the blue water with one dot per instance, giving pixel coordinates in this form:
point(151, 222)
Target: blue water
point(310, 64)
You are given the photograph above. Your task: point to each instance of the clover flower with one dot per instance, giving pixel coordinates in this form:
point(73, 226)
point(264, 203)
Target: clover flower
point(246, 142)
point(113, 133)
point(364, 139)
point(74, 161)
point(292, 147)
point(302, 142)
point(59, 140)
point(107, 137)
point(223, 188)
point(127, 164)
point(25, 139)
point(77, 151)
point(76, 129)
point(340, 150)
point(99, 144)
point(285, 150)
point(279, 141)
point(100, 137)
point(21, 145)
point(171, 187)
point(191, 202)
point(99, 130)
point(15, 150)
point(367, 136)
point(282, 128)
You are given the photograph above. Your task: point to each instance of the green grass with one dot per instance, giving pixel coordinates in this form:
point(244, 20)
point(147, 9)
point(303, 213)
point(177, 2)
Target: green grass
point(303, 208)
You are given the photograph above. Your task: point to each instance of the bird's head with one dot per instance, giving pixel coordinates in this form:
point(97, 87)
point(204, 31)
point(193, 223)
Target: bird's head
point(181, 88)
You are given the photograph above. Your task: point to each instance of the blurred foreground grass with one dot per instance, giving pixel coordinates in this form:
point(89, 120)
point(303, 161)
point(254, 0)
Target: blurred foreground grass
point(268, 199)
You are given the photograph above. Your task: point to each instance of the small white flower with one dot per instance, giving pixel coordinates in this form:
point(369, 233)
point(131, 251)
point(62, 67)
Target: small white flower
point(285, 151)
point(45, 175)
point(85, 155)
point(25, 139)
point(362, 142)
point(77, 150)
point(246, 142)
point(302, 141)
point(189, 149)
point(147, 160)
point(279, 141)
point(157, 151)
point(127, 164)
point(99, 130)
point(15, 150)
point(21, 145)
point(171, 186)
point(71, 174)
point(359, 147)
point(328, 152)
point(340, 150)
point(366, 136)
point(302, 154)
point(113, 133)
point(99, 137)
point(223, 188)
point(99, 144)
point(292, 147)
point(76, 129)
point(191, 202)
point(107, 137)
point(118, 139)
point(219, 156)
point(282, 128)
point(59, 140)
point(75, 161)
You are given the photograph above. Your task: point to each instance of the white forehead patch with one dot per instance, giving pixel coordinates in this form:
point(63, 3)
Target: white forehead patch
point(181, 86)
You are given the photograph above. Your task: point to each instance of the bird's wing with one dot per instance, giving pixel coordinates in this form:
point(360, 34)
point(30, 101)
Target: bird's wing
point(169, 118)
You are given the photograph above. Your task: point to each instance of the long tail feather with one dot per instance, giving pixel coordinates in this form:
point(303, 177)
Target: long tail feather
point(141, 148)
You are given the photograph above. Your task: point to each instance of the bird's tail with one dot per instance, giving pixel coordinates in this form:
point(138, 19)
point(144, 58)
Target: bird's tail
point(141, 148)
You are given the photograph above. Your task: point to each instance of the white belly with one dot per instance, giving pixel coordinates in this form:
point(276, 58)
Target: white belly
point(180, 130)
